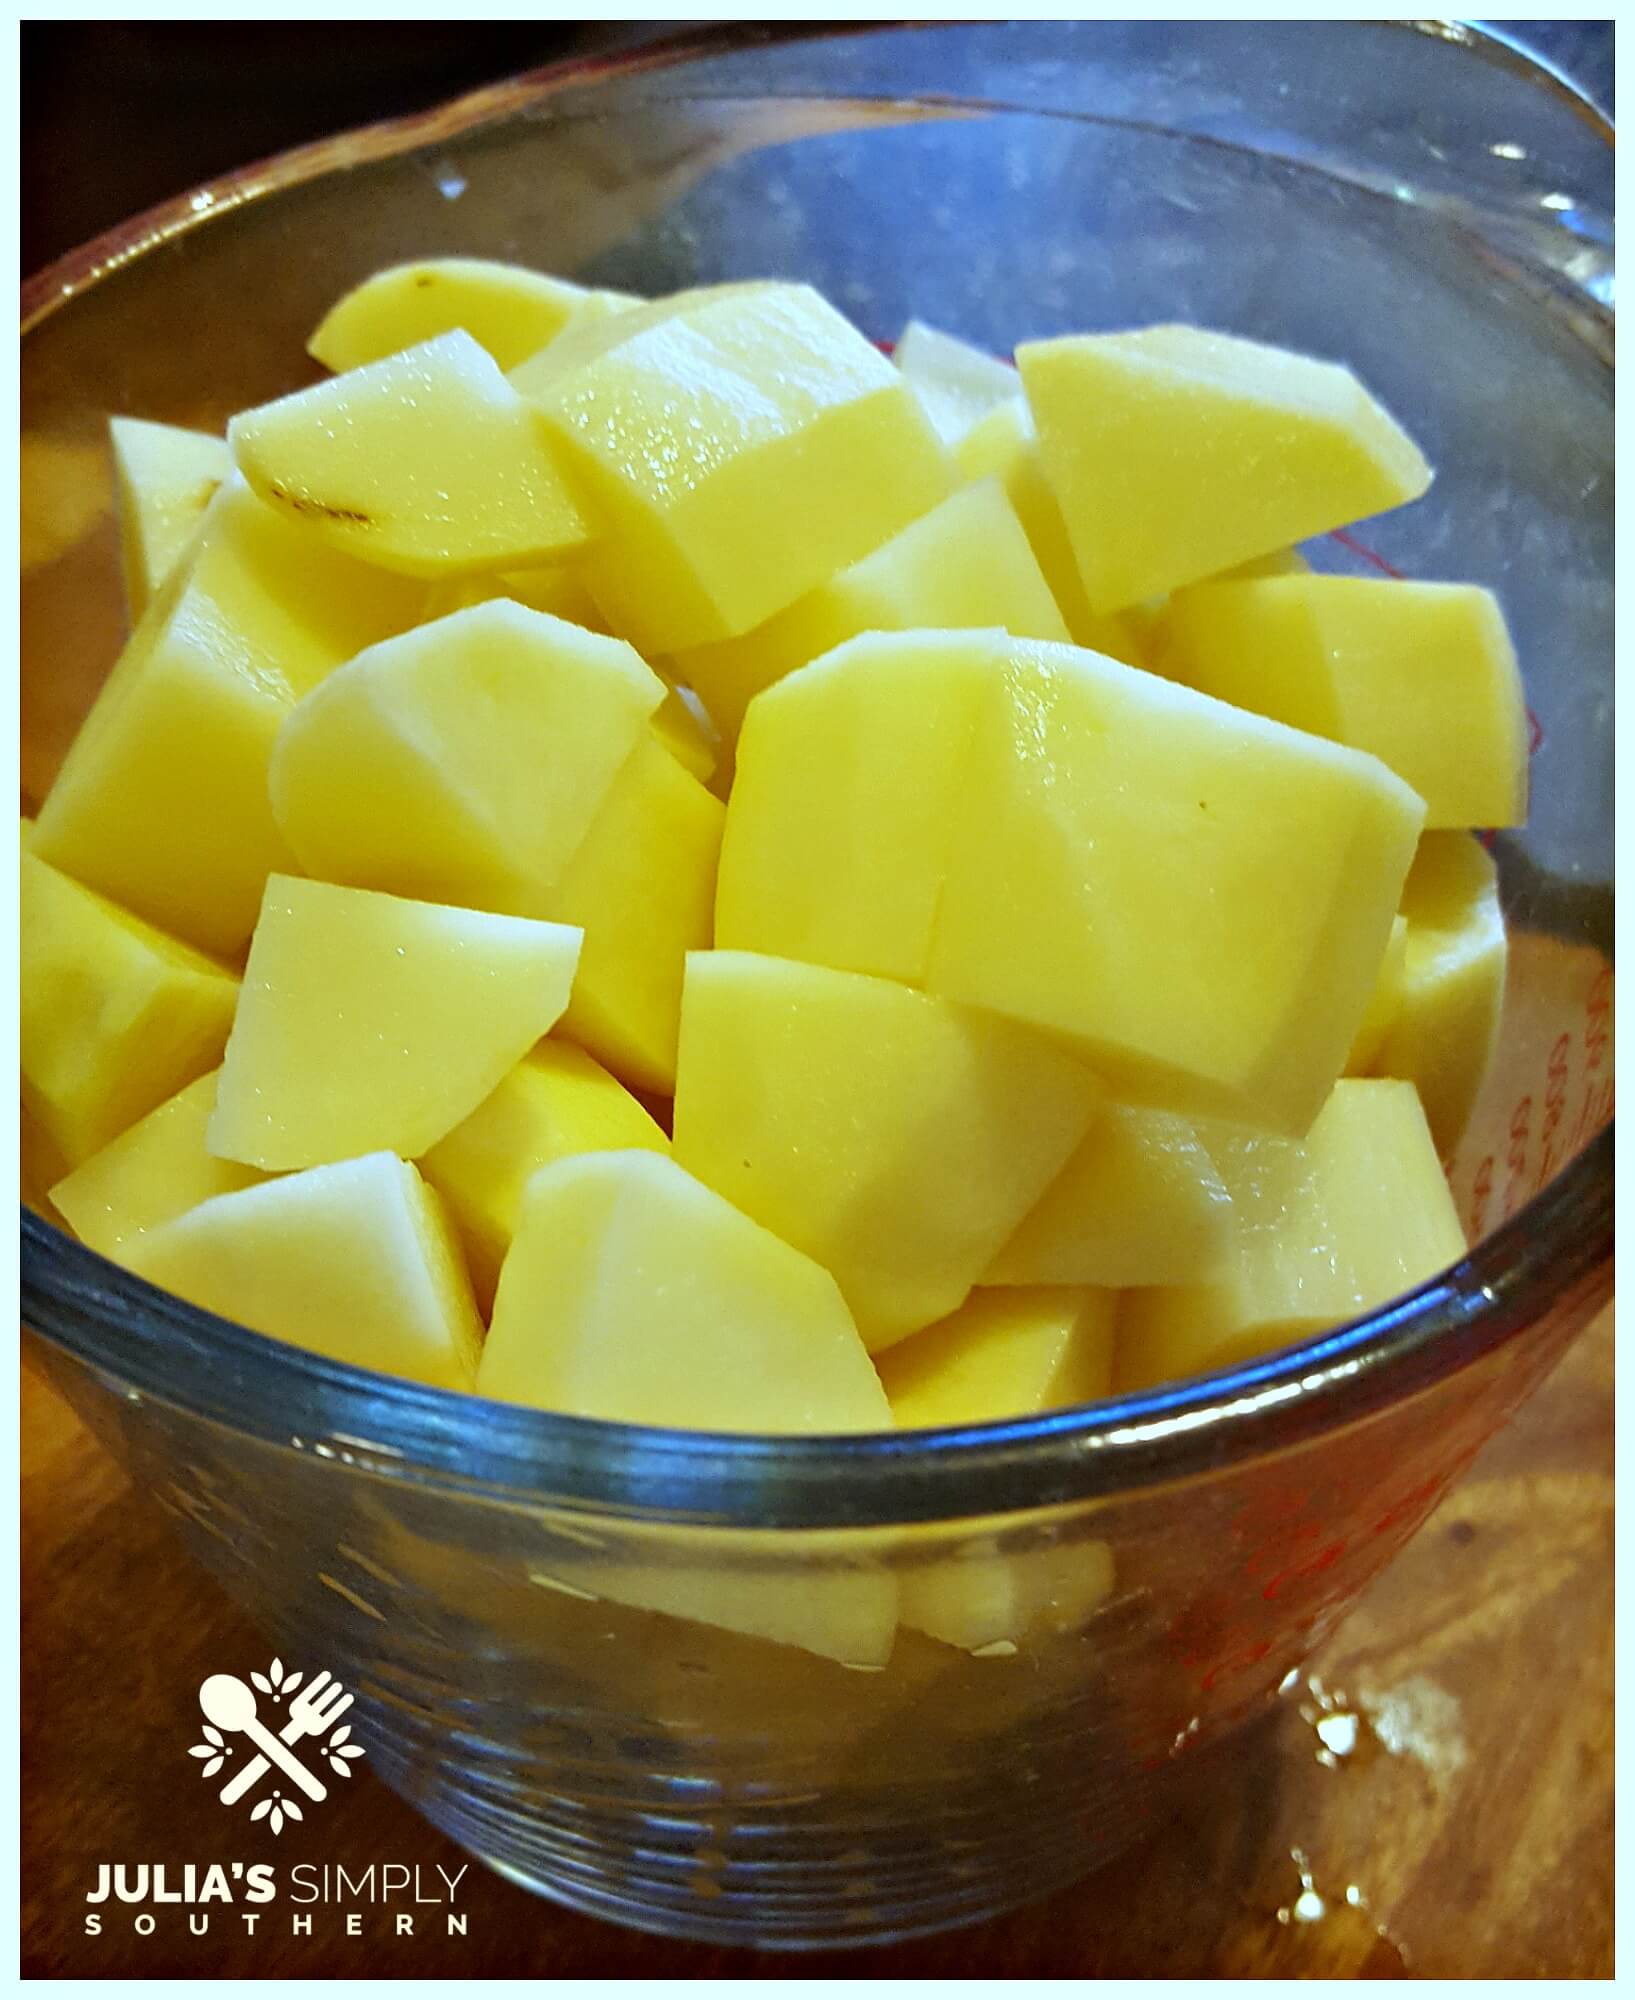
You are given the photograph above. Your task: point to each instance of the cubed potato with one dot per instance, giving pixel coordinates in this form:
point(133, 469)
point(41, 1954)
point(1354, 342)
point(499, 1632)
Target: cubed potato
point(1384, 1003)
point(464, 761)
point(371, 1023)
point(355, 1261)
point(1423, 675)
point(633, 1293)
point(164, 479)
point(1324, 1229)
point(1446, 1026)
point(556, 1103)
point(1176, 453)
point(1005, 446)
point(957, 383)
point(1003, 1587)
point(641, 885)
point(1198, 897)
point(555, 588)
point(113, 1015)
point(691, 435)
point(162, 801)
point(849, 780)
point(1006, 1353)
point(428, 463)
point(895, 1138)
point(687, 730)
point(508, 310)
point(1139, 1203)
point(153, 1172)
point(966, 563)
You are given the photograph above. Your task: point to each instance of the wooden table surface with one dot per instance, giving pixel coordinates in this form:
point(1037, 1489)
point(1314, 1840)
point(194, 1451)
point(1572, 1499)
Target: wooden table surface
point(1470, 1826)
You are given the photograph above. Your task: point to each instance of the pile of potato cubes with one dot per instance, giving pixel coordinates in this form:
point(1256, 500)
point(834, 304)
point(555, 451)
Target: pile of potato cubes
point(650, 860)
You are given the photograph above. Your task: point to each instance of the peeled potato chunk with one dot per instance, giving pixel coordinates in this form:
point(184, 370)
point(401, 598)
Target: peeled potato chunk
point(508, 310)
point(428, 463)
point(957, 383)
point(895, 1138)
point(556, 1103)
point(690, 437)
point(113, 1015)
point(1176, 453)
point(153, 1172)
point(355, 1261)
point(1446, 1025)
point(164, 479)
point(631, 1292)
point(370, 1022)
point(1008, 1353)
point(1423, 675)
point(1325, 1228)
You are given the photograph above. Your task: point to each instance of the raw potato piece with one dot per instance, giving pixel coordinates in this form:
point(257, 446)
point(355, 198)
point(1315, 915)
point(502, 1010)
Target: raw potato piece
point(553, 587)
point(1384, 1003)
point(687, 732)
point(1004, 446)
point(691, 435)
point(1139, 1203)
point(508, 310)
point(1446, 1026)
point(995, 1592)
point(355, 1261)
point(164, 479)
point(895, 1138)
point(1176, 453)
point(1004, 1354)
point(849, 780)
point(632, 1293)
point(641, 886)
point(155, 1171)
point(1324, 1229)
point(1423, 675)
point(462, 762)
point(162, 802)
point(114, 1016)
point(1198, 897)
point(966, 563)
point(957, 383)
point(556, 1103)
point(369, 1022)
point(428, 462)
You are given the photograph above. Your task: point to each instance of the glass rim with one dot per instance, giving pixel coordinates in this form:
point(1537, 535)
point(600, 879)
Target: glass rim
point(1554, 1253)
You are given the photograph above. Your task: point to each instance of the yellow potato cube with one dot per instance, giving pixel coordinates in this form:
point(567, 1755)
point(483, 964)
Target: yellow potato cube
point(164, 479)
point(1004, 445)
point(1176, 453)
point(641, 886)
point(1324, 1229)
point(848, 785)
point(428, 462)
point(508, 310)
point(632, 1293)
point(1446, 1025)
point(895, 1138)
point(355, 1261)
point(371, 1023)
point(162, 801)
point(1384, 1002)
point(957, 383)
point(113, 1016)
point(553, 587)
point(462, 762)
point(153, 1172)
point(557, 1102)
point(1001, 1588)
point(1198, 897)
point(1139, 1203)
point(691, 434)
point(1010, 1353)
point(966, 563)
point(688, 732)
point(1423, 675)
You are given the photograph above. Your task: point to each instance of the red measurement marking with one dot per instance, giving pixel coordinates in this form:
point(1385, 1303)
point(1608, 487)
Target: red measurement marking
point(1597, 1006)
point(1348, 540)
point(1479, 1195)
point(1535, 734)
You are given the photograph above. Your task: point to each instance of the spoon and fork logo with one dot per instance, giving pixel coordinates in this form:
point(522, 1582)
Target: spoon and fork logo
point(295, 1709)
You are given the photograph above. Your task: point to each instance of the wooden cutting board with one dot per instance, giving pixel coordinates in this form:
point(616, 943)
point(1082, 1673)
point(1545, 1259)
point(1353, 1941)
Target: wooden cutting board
point(1440, 1804)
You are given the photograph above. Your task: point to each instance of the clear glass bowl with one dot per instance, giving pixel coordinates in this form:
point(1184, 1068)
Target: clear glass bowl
point(653, 1674)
